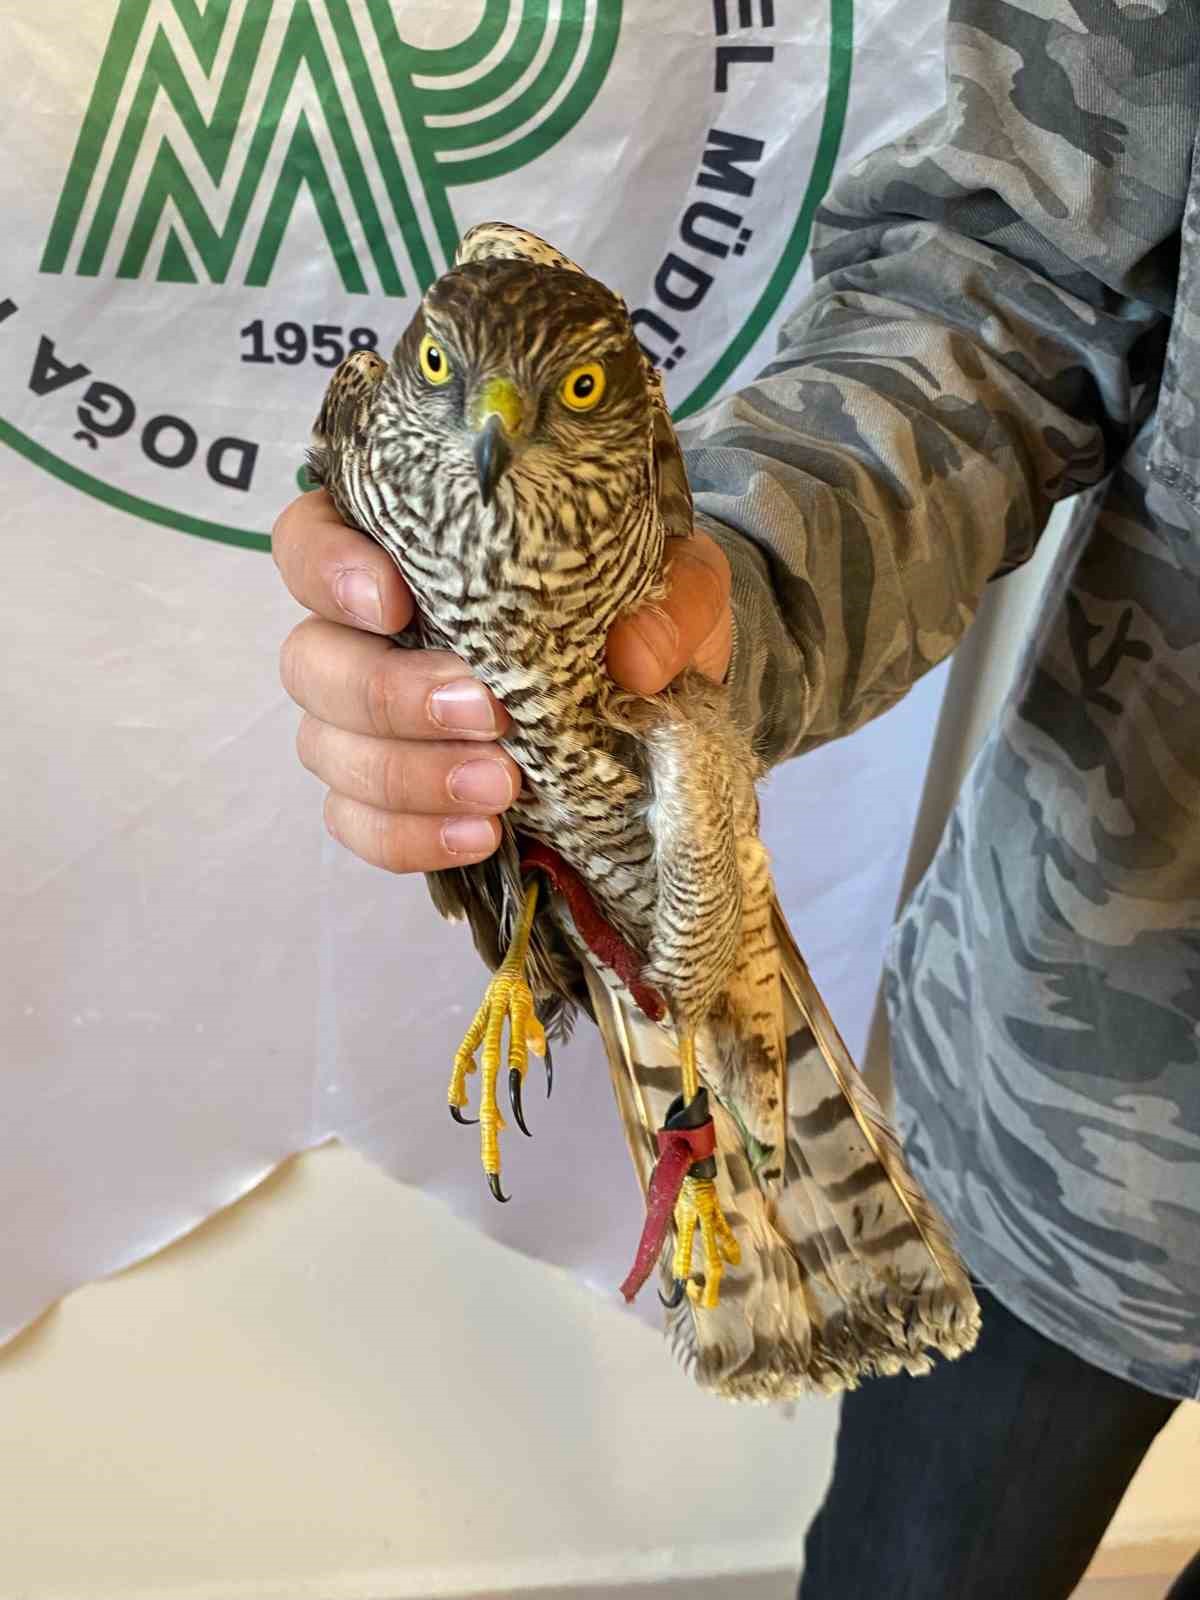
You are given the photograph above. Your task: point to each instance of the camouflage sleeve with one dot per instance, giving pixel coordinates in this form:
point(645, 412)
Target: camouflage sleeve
point(985, 334)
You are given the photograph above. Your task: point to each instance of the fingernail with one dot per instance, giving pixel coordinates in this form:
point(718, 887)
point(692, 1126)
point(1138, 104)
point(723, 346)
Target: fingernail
point(463, 706)
point(482, 783)
point(468, 836)
point(357, 592)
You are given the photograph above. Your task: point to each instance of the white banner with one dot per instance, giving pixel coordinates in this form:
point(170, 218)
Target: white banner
point(205, 205)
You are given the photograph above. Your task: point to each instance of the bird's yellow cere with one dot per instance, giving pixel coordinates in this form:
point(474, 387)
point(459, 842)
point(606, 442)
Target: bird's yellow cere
point(500, 397)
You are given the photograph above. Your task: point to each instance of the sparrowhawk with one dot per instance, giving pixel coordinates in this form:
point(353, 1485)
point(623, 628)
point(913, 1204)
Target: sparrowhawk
point(517, 460)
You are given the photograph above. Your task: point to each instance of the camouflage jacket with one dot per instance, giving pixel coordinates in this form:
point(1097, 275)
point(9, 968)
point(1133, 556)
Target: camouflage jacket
point(1006, 312)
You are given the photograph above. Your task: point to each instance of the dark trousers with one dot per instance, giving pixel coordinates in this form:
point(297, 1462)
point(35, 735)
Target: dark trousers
point(993, 1478)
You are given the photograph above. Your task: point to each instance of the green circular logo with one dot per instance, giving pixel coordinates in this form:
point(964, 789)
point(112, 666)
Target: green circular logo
point(255, 190)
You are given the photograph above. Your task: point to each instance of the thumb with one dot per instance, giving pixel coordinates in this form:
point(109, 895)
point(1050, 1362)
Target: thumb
point(691, 623)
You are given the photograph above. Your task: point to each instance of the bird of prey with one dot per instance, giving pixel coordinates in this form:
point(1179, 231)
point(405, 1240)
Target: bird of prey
point(516, 459)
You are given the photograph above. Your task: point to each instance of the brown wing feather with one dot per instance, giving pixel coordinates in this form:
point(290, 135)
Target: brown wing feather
point(344, 418)
point(674, 492)
point(502, 241)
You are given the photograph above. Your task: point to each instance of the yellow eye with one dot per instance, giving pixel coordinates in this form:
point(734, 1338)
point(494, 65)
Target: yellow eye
point(434, 362)
point(583, 387)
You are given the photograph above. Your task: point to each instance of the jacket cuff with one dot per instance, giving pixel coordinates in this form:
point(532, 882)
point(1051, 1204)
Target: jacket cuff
point(749, 594)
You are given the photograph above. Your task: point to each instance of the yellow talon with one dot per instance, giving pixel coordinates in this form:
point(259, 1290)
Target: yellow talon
point(698, 1207)
point(508, 998)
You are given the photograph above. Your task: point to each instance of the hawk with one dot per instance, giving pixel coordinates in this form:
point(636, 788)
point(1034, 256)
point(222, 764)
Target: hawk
point(516, 459)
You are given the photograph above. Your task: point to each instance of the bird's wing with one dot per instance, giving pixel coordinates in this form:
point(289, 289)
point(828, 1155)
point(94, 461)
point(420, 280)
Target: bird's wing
point(339, 434)
point(670, 476)
point(501, 241)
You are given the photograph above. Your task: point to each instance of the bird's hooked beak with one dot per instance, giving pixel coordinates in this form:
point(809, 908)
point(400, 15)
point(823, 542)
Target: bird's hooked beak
point(498, 412)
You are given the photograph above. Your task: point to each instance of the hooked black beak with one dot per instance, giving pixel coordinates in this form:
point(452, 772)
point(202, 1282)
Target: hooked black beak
point(492, 455)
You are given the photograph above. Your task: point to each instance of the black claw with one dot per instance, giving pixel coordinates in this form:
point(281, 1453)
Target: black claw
point(493, 1179)
point(463, 1122)
point(514, 1096)
point(677, 1294)
point(549, 1071)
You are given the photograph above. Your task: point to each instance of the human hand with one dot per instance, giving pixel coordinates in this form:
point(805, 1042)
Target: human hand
point(691, 626)
point(406, 740)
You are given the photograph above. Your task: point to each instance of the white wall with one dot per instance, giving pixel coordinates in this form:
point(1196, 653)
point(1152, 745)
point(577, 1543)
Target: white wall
point(336, 1389)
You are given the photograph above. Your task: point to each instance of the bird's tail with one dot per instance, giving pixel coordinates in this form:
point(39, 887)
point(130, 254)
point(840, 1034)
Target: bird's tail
point(846, 1269)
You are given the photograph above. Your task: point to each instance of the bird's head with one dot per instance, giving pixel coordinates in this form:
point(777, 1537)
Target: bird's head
point(529, 376)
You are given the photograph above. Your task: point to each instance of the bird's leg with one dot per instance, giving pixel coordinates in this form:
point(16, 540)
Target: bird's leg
point(698, 1207)
point(508, 999)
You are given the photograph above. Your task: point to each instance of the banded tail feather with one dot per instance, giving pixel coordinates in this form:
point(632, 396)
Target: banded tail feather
point(846, 1271)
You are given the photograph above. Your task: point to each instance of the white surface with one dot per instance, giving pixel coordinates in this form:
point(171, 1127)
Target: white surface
point(338, 1390)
